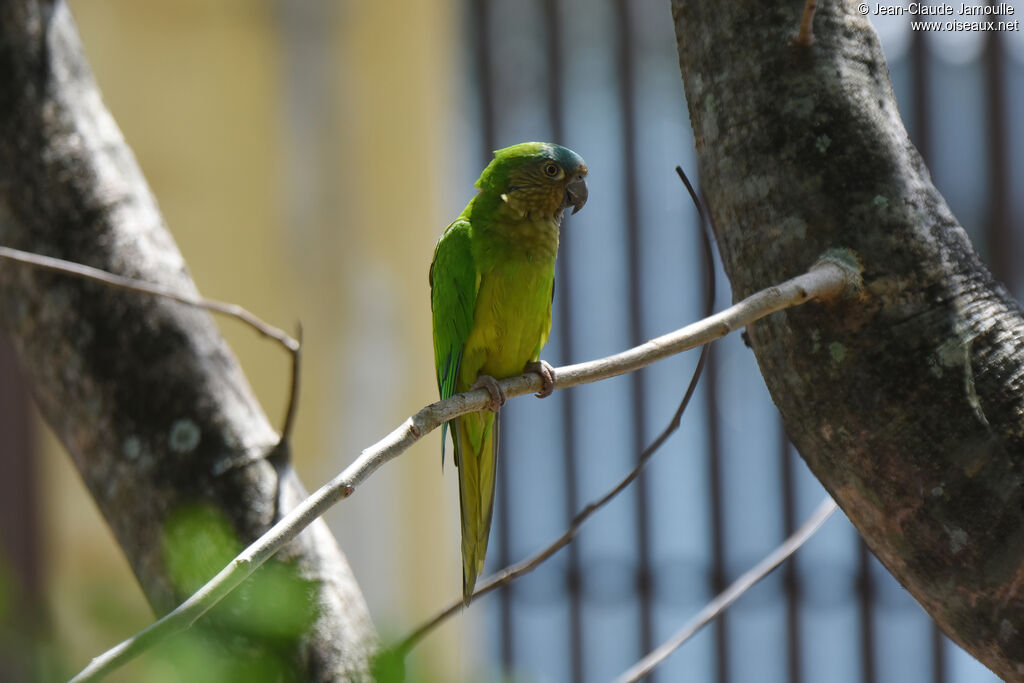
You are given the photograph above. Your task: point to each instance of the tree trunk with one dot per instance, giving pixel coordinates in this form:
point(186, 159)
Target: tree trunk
point(906, 403)
point(143, 392)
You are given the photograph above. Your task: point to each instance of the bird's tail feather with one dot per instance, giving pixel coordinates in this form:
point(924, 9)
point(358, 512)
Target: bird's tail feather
point(478, 457)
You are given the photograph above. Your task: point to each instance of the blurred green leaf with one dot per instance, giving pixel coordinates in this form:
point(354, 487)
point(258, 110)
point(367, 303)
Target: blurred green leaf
point(254, 633)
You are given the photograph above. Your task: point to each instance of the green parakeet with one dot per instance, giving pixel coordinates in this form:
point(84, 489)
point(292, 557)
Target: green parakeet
point(491, 283)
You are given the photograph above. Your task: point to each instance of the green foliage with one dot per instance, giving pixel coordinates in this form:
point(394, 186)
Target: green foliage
point(255, 633)
point(198, 541)
point(388, 666)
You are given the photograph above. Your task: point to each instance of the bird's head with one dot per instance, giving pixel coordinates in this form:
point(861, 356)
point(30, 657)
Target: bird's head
point(536, 179)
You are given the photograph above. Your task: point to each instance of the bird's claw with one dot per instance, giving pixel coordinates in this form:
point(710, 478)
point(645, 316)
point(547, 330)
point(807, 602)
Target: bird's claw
point(547, 376)
point(494, 389)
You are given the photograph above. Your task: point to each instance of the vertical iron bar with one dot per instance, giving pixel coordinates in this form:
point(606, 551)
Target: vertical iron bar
point(921, 96)
point(480, 18)
point(20, 550)
point(789, 576)
point(625, 47)
point(867, 600)
point(718, 579)
point(938, 658)
point(998, 236)
point(480, 11)
point(563, 298)
point(717, 498)
point(920, 92)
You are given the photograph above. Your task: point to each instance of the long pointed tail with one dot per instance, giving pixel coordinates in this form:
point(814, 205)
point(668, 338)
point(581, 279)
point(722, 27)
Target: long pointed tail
point(477, 460)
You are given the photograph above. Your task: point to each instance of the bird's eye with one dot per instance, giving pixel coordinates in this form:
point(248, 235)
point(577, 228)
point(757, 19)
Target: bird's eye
point(552, 170)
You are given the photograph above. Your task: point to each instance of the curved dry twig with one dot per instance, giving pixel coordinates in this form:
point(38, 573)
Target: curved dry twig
point(829, 278)
point(732, 593)
point(121, 282)
point(514, 571)
point(291, 344)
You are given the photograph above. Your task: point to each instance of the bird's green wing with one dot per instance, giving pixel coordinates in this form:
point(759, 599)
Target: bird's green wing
point(454, 282)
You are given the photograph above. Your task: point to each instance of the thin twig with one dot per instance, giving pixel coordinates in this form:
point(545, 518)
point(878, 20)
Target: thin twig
point(827, 279)
point(291, 344)
point(738, 587)
point(293, 391)
point(513, 572)
point(280, 455)
point(130, 284)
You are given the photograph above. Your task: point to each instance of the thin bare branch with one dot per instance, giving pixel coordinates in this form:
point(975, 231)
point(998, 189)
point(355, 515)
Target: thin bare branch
point(513, 572)
point(293, 390)
point(119, 281)
point(829, 278)
point(732, 593)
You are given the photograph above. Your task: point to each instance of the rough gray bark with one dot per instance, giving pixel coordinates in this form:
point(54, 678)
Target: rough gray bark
point(907, 403)
point(143, 392)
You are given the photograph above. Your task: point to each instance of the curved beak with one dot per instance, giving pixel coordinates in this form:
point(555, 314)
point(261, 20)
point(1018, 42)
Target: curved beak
point(575, 194)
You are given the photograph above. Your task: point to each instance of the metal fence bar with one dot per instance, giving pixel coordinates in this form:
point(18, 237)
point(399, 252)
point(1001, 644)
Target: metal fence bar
point(921, 131)
point(867, 594)
point(920, 93)
point(480, 21)
point(998, 235)
point(563, 297)
point(718, 578)
point(789, 576)
point(20, 548)
point(939, 674)
point(627, 98)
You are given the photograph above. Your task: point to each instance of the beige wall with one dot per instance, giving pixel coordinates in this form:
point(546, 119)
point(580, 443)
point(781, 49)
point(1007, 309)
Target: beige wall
point(300, 164)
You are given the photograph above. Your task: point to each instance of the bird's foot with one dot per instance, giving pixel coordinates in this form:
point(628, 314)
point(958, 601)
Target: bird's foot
point(494, 389)
point(547, 376)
